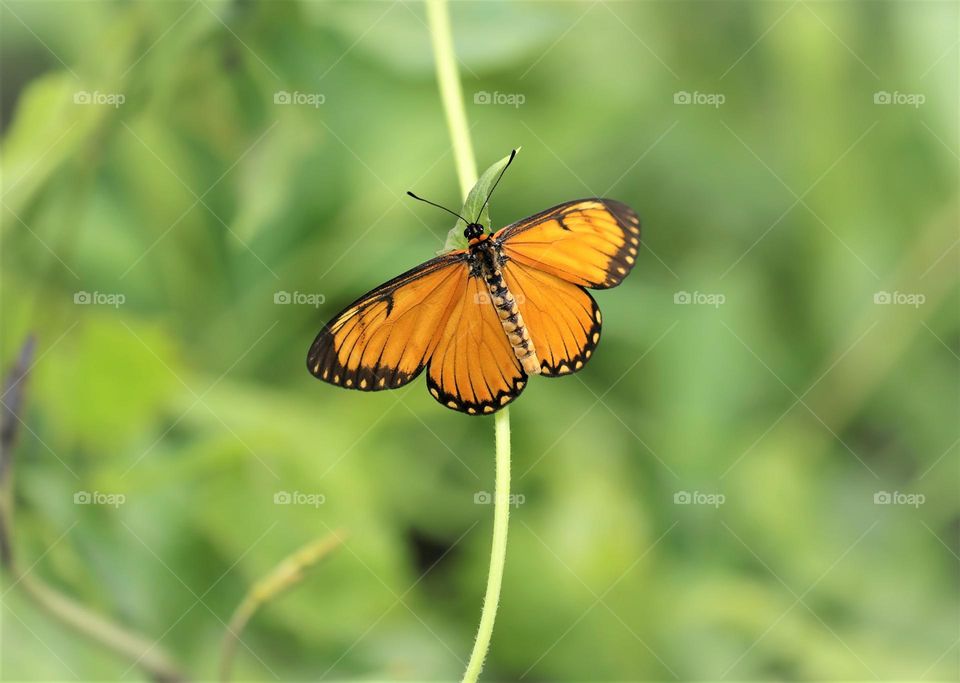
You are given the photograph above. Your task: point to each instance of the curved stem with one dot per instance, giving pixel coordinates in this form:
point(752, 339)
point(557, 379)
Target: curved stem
point(144, 653)
point(281, 578)
point(448, 79)
point(120, 640)
point(498, 552)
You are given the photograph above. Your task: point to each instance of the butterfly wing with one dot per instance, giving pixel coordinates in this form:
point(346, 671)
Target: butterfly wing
point(383, 340)
point(439, 316)
point(562, 318)
point(589, 242)
point(473, 368)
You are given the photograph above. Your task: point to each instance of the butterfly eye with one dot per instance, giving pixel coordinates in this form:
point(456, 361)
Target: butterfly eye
point(473, 231)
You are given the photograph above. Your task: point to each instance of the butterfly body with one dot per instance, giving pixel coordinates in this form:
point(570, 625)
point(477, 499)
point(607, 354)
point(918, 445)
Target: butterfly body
point(480, 320)
point(487, 259)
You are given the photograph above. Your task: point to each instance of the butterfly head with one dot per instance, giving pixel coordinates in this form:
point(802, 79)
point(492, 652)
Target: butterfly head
point(473, 231)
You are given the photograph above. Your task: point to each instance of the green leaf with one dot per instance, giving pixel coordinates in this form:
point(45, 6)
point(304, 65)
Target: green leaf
point(471, 207)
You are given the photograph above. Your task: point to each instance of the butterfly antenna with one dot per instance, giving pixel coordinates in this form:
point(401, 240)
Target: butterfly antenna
point(453, 213)
point(513, 153)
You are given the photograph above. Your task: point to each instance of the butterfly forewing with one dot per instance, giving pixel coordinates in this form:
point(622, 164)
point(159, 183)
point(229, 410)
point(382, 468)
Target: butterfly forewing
point(384, 339)
point(589, 242)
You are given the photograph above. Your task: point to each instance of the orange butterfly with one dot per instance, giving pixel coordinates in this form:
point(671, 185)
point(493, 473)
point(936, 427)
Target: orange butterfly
point(482, 319)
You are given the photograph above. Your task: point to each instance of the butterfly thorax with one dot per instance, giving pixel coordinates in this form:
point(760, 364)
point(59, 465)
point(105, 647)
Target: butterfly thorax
point(487, 260)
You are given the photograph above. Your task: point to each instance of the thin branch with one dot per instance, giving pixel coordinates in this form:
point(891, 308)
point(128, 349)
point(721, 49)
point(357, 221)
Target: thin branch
point(448, 79)
point(498, 550)
point(283, 577)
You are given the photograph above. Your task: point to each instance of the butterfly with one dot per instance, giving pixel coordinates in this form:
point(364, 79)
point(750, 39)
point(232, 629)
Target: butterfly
point(481, 320)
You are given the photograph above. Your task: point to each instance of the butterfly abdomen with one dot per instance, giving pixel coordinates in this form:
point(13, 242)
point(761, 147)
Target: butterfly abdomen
point(510, 319)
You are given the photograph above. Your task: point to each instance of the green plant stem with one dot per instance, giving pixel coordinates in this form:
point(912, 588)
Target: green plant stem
point(144, 652)
point(498, 552)
point(448, 79)
point(285, 576)
point(118, 639)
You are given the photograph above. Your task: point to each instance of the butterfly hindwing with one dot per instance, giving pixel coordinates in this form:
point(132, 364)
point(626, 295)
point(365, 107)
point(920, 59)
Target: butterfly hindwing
point(384, 339)
point(589, 242)
point(473, 368)
point(562, 318)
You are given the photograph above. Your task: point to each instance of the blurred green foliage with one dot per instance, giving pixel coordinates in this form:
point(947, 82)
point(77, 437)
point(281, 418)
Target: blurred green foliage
point(203, 195)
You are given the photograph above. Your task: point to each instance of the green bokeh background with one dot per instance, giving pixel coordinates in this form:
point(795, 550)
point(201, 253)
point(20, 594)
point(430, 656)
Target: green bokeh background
point(797, 399)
